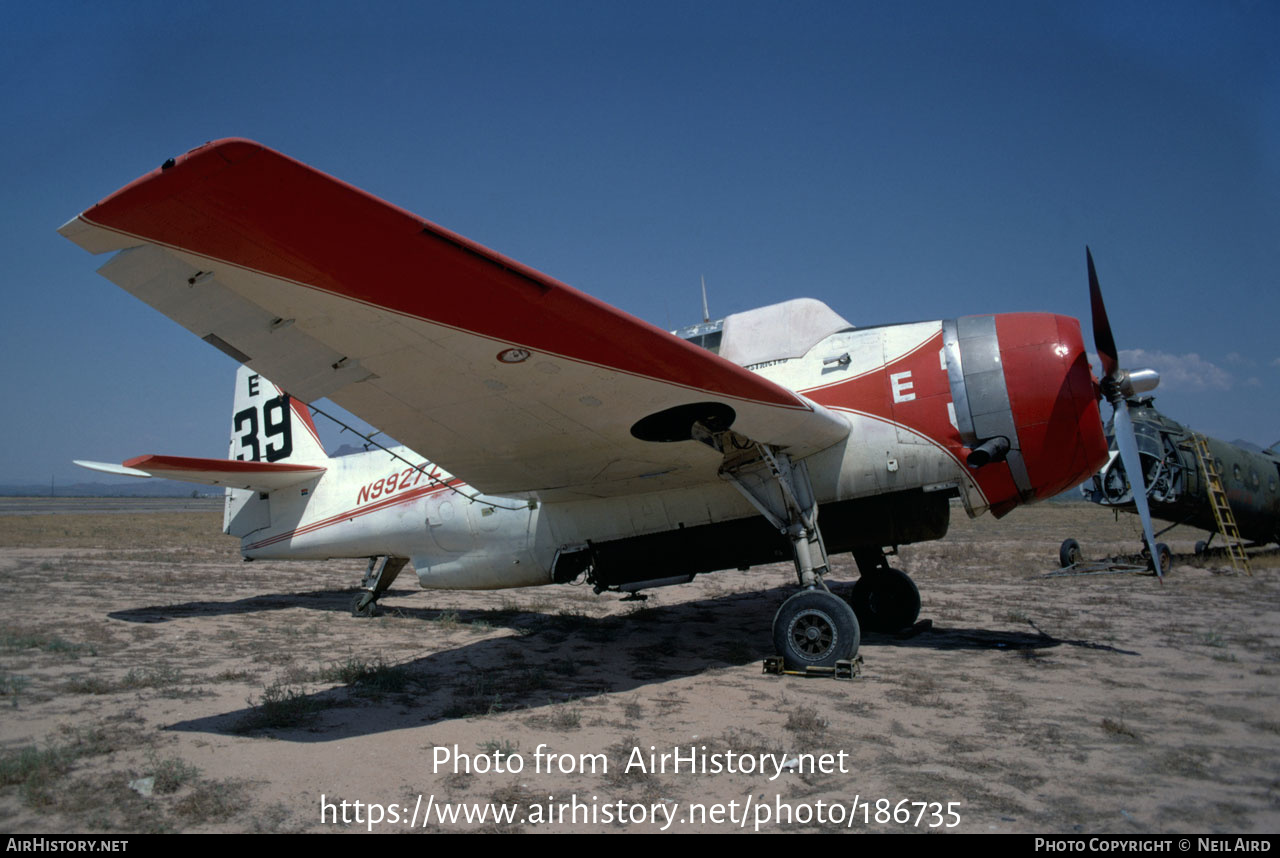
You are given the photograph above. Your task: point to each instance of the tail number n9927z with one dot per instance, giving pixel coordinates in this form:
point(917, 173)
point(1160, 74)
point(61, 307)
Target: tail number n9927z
point(273, 423)
point(398, 481)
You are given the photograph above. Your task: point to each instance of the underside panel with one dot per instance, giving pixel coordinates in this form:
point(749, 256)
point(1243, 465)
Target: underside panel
point(896, 519)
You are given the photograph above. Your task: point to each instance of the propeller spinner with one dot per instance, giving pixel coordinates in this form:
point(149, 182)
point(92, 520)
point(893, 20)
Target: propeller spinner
point(1118, 385)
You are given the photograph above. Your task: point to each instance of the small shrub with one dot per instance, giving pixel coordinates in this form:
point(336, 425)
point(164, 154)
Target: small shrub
point(281, 706)
point(172, 774)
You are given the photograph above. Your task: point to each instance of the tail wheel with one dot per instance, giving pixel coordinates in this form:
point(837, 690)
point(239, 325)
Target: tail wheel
point(364, 605)
point(813, 628)
point(886, 601)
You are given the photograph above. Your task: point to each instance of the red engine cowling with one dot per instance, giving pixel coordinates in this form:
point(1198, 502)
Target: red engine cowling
point(1026, 404)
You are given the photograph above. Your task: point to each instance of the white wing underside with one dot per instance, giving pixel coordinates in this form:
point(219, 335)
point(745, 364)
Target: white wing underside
point(510, 416)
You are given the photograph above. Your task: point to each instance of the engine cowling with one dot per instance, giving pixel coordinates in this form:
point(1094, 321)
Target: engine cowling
point(1026, 404)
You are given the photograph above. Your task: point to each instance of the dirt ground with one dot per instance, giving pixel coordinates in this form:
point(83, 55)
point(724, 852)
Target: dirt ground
point(152, 682)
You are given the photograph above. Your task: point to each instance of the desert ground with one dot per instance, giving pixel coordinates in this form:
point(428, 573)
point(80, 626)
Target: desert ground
point(153, 682)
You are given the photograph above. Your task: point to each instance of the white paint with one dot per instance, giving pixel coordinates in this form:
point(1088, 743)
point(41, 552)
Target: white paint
point(901, 385)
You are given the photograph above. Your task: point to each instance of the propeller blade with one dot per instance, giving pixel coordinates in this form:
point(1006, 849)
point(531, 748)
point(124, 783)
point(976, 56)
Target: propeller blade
point(1122, 423)
point(1102, 339)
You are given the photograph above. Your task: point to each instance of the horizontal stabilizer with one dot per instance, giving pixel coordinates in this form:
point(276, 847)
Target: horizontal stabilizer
point(258, 476)
point(110, 468)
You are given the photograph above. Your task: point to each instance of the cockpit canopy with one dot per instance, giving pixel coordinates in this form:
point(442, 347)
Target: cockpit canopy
point(775, 332)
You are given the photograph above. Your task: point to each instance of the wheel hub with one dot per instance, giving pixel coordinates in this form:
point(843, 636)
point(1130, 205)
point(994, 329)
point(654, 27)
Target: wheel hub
point(814, 633)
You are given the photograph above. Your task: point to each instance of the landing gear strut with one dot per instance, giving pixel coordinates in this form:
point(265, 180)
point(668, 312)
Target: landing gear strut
point(883, 598)
point(813, 628)
point(377, 578)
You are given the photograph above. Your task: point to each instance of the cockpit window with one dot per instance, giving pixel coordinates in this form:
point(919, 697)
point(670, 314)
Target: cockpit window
point(706, 335)
point(710, 342)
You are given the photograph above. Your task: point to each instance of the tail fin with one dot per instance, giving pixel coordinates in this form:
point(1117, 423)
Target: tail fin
point(267, 425)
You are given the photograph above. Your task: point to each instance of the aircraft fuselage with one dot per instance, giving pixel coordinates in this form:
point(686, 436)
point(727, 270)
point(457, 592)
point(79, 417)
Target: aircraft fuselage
point(919, 398)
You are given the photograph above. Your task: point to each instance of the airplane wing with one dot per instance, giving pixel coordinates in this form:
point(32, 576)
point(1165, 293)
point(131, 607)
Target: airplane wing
point(259, 476)
point(511, 380)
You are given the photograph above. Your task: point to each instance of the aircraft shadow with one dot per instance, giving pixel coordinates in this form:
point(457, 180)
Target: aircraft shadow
point(944, 638)
point(323, 600)
point(553, 660)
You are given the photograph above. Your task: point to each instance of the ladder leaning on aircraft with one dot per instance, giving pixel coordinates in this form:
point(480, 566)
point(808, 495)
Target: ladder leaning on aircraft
point(569, 440)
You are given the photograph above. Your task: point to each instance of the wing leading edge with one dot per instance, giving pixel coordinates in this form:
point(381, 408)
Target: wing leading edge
point(508, 378)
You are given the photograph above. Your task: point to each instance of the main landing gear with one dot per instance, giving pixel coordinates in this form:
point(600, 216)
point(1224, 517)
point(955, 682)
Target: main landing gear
point(883, 598)
point(814, 627)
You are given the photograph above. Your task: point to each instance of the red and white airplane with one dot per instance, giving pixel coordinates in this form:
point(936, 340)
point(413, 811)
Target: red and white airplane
point(551, 437)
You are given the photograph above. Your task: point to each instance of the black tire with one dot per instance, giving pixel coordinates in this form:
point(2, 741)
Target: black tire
point(815, 629)
point(1166, 559)
point(1201, 548)
point(364, 605)
point(885, 601)
point(1070, 554)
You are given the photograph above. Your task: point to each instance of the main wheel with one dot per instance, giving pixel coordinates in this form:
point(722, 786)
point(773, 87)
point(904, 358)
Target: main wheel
point(815, 628)
point(886, 601)
point(1070, 554)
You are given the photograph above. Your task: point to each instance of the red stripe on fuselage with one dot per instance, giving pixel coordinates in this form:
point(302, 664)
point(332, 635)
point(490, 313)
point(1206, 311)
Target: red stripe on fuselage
point(385, 503)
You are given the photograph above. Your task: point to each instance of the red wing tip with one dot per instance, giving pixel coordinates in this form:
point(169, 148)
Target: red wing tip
point(232, 149)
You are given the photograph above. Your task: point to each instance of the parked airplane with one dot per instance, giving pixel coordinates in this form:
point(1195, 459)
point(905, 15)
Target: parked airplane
point(580, 442)
point(1177, 487)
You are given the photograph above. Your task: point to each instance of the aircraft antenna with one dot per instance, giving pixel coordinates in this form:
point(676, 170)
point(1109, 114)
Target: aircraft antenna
point(706, 314)
point(421, 468)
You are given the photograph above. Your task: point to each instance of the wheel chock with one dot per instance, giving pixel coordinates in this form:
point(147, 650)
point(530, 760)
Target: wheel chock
point(845, 668)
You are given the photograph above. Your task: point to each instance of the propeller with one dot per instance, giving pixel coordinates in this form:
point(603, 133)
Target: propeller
point(1118, 385)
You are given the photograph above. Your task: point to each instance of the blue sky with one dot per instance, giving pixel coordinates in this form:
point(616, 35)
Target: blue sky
point(897, 161)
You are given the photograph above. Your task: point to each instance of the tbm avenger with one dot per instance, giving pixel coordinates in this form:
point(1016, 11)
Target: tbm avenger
point(1178, 488)
point(567, 439)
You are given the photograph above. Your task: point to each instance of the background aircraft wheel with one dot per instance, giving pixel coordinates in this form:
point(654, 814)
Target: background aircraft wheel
point(1166, 558)
point(365, 605)
point(813, 627)
point(886, 601)
point(1070, 554)
point(1201, 548)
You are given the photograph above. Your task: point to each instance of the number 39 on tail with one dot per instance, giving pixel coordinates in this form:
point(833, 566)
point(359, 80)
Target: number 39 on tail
point(549, 437)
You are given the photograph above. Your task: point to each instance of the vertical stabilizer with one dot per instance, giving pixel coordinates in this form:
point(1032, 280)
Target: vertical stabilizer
point(267, 425)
